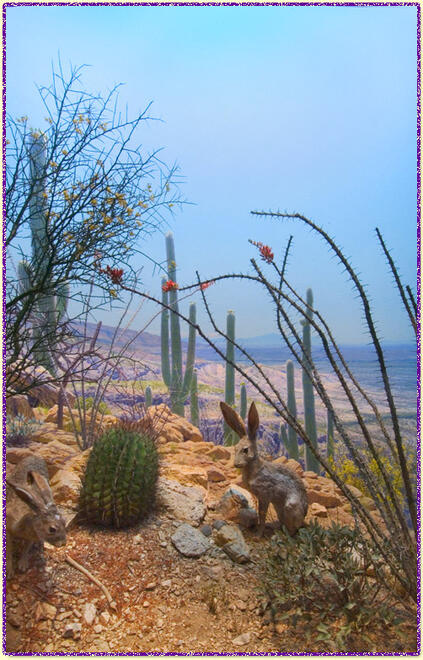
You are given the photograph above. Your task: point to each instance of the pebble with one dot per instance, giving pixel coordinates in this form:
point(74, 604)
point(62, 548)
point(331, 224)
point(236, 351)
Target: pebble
point(242, 640)
point(166, 583)
point(72, 631)
point(89, 613)
point(44, 611)
point(146, 604)
point(206, 530)
point(104, 617)
point(150, 586)
point(98, 628)
point(218, 524)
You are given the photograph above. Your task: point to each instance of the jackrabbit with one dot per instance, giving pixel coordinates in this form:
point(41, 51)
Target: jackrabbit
point(31, 514)
point(269, 483)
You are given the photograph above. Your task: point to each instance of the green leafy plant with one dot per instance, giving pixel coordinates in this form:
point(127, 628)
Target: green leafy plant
point(322, 577)
point(102, 407)
point(119, 484)
point(19, 430)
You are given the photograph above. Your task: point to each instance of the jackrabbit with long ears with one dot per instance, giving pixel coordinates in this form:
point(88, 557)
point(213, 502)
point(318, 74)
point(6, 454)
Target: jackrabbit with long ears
point(270, 483)
point(31, 514)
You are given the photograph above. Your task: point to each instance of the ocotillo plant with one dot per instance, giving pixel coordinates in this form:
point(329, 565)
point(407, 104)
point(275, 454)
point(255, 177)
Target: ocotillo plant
point(311, 462)
point(177, 383)
point(229, 436)
point(50, 308)
point(195, 415)
point(291, 438)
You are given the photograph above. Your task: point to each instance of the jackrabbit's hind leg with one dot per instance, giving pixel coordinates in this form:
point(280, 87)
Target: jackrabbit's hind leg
point(10, 571)
point(291, 515)
point(263, 505)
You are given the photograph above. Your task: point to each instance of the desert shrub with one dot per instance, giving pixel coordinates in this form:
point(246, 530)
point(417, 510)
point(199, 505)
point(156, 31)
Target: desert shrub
point(20, 430)
point(322, 577)
point(102, 406)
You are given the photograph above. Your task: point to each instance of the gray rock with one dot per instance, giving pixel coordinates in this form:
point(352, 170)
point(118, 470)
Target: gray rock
point(206, 530)
point(244, 497)
point(189, 541)
point(217, 524)
point(72, 631)
point(89, 613)
point(184, 503)
point(231, 540)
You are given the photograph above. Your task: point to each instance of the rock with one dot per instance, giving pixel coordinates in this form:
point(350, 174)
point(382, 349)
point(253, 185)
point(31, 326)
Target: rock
point(100, 645)
point(242, 495)
point(65, 486)
point(309, 474)
point(318, 510)
point(150, 586)
point(14, 620)
point(294, 466)
point(232, 542)
point(329, 500)
point(18, 404)
point(186, 474)
point(368, 503)
point(78, 463)
point(98, 628)
point(184, 503)
point(104, 618)
point(206, 530)
point(55, 454)
point(189, 541)
point(89, 612)
point(218, 524)
point(355, 491)
point(281, 460)
point(44, 611)
point(215, 475)
point(242, 640)
point(218, 453)
point(72, 631)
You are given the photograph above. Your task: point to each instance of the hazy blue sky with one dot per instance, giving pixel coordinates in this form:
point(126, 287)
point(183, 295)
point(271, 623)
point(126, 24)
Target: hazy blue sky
point(308, 109)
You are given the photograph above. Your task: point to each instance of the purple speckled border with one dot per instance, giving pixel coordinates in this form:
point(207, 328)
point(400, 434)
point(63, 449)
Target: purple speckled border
point(228, 4)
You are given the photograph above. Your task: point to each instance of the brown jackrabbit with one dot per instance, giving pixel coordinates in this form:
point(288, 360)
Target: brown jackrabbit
point(31, 514)
point(270, 483)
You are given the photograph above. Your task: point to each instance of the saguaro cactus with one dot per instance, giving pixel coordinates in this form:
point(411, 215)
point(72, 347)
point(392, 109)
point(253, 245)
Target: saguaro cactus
point(243, 401)
point(51, 306)
point(177, 382)
point(312, 463)
point(229, 436)
point(291, 439)
point(330, 439)
point(195, 414)
point(148, 396)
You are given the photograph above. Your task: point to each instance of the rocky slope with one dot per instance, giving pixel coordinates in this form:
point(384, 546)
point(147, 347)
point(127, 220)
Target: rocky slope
point(185, 580)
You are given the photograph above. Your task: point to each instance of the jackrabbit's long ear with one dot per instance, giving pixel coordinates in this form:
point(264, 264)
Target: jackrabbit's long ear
point(41, 484)
point(233, 419)
point(30, 498)
point(253, 422)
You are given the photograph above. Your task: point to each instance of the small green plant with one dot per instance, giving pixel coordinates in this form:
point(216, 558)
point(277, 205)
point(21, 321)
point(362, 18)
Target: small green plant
point(321, 576)
point(102, 406)
point(119, 484)
point(19, 430)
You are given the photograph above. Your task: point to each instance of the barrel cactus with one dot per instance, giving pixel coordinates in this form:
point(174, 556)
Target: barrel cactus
point(120, 479)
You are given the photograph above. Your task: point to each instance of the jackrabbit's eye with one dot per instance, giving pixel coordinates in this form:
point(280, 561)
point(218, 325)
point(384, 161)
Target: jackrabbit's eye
point(245, 450)
point(52, 530)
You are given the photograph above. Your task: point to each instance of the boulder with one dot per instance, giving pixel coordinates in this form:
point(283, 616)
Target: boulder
point(185, 503)
point(186, 474)
point(318, 510)
point(215, 475)
point(18, 404)
point(65, 486)
point(326, 498)
point(219, 453)
point(232, 542)
point(189, 541)
point(293, 465)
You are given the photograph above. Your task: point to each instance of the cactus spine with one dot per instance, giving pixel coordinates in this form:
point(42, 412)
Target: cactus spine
point(311, 462)
point(291, 437)
point(195, 415)
point(120, 479)
point(230, 438)
point(148, 396)
point(243, 403)
point(178, 384)
point(51, 305)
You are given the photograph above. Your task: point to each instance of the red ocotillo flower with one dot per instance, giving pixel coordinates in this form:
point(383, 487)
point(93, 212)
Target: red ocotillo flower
point(205, 285)
point(169, 286)
point(265, 251)
point(115, 274)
